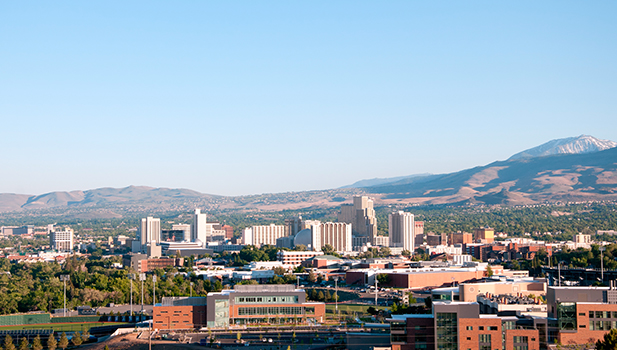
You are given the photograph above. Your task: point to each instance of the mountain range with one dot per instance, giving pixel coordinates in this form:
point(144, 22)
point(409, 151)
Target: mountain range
point(574, 169)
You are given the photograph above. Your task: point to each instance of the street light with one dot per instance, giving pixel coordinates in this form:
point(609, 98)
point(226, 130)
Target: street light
point(153, 302)
point(191, 284)
point(602, 249)
point(142, 278)
point(65, 278)
point(336, 294)
point(131, 277)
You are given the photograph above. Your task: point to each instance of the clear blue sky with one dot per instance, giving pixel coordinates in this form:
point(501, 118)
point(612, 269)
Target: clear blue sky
point(249, 97)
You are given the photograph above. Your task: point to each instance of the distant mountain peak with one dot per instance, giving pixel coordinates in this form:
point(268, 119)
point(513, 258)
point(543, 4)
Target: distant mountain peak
point(569, 145)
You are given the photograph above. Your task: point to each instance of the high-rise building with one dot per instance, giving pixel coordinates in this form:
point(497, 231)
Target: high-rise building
point(293, 226)
point(418, 233)
point(199, 230)
point(338, 235)
point(484, 235)
point(61, 241)
point(150, 231)
point(401, 230)
point(361, 216)
point(263, 235)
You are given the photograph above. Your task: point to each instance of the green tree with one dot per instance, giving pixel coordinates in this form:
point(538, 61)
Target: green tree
point(106, 347)
point(24, 344)
point(76, 340)
point(609, 342)
point(52, 344)
point(64, 341)
point(321, 296)
point(383, 279)
point(311, 277)
point(85, 336)
point(406, 253)
point(328, 249)
point(36, 343)
point(8, 343)
point(239, 336)
point(489, 271)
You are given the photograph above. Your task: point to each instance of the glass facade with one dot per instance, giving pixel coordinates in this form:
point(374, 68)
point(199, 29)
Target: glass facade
point(446, 330)
point(221, 313)
point(566, 316)
point(269, 310)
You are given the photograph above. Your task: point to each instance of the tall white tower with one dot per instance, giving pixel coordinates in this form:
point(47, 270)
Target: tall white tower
point(199, 230)
point(150, 231)
point(401, 229)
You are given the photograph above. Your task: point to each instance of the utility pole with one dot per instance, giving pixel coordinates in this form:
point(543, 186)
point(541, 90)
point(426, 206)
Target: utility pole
point(65, 278)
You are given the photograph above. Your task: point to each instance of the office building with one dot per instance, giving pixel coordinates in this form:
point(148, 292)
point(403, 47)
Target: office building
point(186, 231)
point(401, 230)
point(199, 230)
point(61, 240)
point(361, 216)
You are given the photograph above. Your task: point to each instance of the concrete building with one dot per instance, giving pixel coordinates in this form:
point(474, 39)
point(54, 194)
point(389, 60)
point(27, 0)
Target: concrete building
point(199, 229)
point(294, 258)
point(401, 230)
point(263, 235)
point(150, 231)
point(361, 216)
point(418, 232)
point(338, 235)
point(61, 240)
point(460, 238)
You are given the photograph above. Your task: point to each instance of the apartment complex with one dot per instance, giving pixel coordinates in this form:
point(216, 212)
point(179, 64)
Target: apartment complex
point(338, 235)
point(150, 231)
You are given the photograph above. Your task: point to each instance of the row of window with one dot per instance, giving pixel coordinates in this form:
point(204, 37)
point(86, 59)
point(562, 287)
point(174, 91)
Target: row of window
point(600, 314)
point(270, 310)
point(288, 299)
point(481, 328)
point(601, 325)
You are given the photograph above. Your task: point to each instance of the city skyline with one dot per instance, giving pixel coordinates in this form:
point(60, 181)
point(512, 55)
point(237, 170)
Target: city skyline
point(247, 98)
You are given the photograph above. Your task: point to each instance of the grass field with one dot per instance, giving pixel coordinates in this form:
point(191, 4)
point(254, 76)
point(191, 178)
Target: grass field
point(61, 327)
point(349, 309)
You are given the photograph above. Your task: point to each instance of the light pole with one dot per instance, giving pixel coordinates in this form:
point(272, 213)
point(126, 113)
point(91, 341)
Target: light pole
point(376, 292)
point(153, 303)
point(336, 294)
point(602, 249)
point(65, 278)
point(131, 278)
point(142, 278)
point(191, 284)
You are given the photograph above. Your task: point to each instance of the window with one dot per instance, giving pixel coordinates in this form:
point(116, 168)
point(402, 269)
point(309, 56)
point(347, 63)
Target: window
point(468, 338)
point(481, 328)
point(581, 314)
point(470, 328)
point(492, 328)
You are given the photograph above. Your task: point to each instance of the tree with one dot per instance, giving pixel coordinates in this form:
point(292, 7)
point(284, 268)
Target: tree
point(383, 279)
point(406, 253)
point(320, 296)
point(609, 342)
point(64, 341)
point(311, 277)
point(85, 336)
point(8, 343)
point(385, 251)
point(24, 344)
point(106, 347)
point(328, 249)
point(239, 336)
point(428, 302)
point(76, 340)
point(489, 271)
point(52, 344)
point(36, 343)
